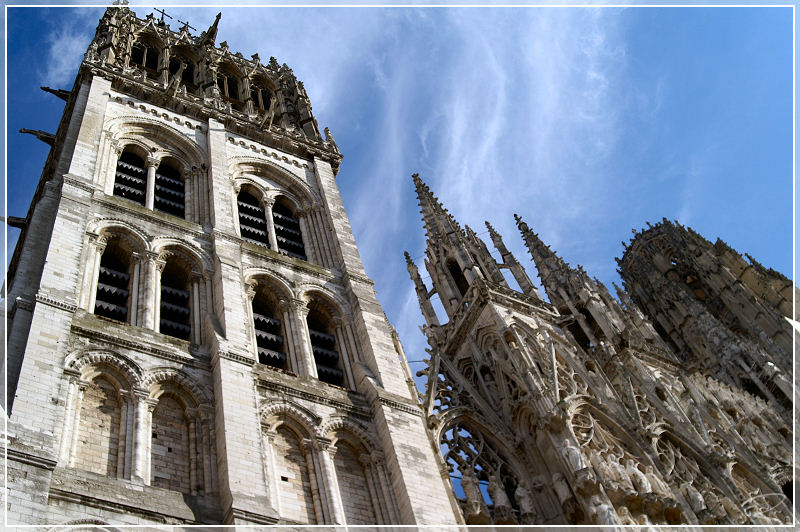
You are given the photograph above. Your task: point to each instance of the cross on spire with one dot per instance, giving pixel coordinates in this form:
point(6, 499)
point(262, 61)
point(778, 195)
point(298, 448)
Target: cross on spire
point(163, 14)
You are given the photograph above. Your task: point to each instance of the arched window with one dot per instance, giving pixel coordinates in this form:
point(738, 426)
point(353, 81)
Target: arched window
point(131, 178)
point(287, 229)
point(252, 220)
point(146, 55)
point(353, 487)
point(175, 308)
point(113, 284)
point(170, 458)
point(98, 440)
point(323, 345)
point(458, 276)
point(294, 482)
point(260, 95)
point(268, 329)
point(187, 76)
point(169, 190)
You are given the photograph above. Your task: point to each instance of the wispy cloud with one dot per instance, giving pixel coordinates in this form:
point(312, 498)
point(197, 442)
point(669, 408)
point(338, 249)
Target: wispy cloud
point(67, 43)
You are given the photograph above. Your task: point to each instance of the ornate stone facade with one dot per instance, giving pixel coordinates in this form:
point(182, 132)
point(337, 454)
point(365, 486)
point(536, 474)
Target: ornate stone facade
point(192, 337)
point(577, 411)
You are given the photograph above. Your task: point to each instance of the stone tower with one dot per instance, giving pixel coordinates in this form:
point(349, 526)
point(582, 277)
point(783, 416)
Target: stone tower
point(576, 410)
point(706, 300)
point(192, 337)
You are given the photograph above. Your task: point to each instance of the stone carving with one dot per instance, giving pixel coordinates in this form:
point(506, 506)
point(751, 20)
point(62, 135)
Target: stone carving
point(472, 492)
point(658, 486)
point(572, 455)
point(638, 479)
point(693, 497)
point(524, 499)
point(602, 513)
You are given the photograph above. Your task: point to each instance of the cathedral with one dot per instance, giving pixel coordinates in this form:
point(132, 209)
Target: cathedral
point(192, 337)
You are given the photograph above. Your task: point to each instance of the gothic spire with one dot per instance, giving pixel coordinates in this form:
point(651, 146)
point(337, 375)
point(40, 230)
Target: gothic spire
point(553, 271)
point(438, 222)
point(510, 262)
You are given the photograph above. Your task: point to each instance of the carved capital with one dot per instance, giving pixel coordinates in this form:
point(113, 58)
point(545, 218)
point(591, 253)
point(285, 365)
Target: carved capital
point(152, 161)
point(250, 290)
point(300, 306)
point(267, 201)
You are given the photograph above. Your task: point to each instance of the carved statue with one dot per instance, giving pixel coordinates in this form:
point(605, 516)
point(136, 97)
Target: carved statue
point(561, 487)
point(638, 478)
point(472, 492)
point(713, 503)
point(498, 493)
point(625, 517)
point(657, 485)
point(572, 455)
point(524, 499)
point(694, 498)
point(620, 475)
point(270, 116)
point(606, 474)
point(602, 513)
point(734, 512)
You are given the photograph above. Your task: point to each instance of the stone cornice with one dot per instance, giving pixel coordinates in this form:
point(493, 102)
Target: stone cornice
point(31, 459)
point(69, 307)
point(352, 408)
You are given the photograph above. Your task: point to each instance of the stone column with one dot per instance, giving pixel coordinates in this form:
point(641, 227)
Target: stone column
point(207, 421)
point(369, 475)
point(191, 416)
point(273, 239)
point(97, 245)
point(149, 198)
point(303, 338)
point(76, 421)
point(69, 422)
point(327, 452)
point(140, 435)
point(195, 337)
point(151, 280)
point(302, 214)
point(159, 268)
point(250, 292)
point(134, 295)
point(111, 176)
point(345, 360)
point(189, 191)
point(271, 473)
point(315, 479)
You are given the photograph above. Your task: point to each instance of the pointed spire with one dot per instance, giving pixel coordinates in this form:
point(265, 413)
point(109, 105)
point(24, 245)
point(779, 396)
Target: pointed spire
point(553, 271)
point(422, 292)
point(210, 36)
point(511, 262)
point(438, 222)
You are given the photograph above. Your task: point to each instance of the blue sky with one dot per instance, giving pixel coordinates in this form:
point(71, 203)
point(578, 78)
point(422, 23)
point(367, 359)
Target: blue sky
point(588, 122)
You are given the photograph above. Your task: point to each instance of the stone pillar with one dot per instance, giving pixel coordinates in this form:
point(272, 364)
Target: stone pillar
point(111, 176)
point(133, 317)
point(302, 338)
point(73, 409)
point(140, 435)
point(149, 198)
point(76, 421)
point(304, 235)
point(250, 292)
point(273, 239)
point(151, 285)
point(344, 356)
point(378, 504)
point(159, 268)
point(327, 452)
point(191, 416)
point(195, 337)
point(315, 479)
point(271, 471)
point(209, 464)
point(97, 245)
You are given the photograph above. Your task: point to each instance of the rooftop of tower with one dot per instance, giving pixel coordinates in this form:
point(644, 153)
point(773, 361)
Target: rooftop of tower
point(196, 76)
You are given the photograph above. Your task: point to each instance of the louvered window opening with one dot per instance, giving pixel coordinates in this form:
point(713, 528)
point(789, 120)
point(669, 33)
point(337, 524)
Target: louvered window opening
point(326, 357)
point(287, 232)
point(260, 97)
point(169, 191)
point(131, 178)
point(269, 340)
point(252, 222)
point(112, 289)
point(174, 307)
point(146, 56)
